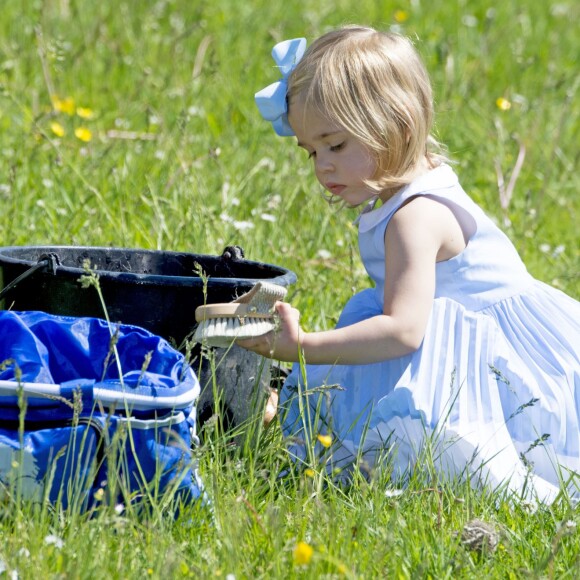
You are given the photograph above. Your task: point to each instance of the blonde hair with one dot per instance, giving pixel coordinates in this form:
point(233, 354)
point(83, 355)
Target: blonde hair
point(375, 85)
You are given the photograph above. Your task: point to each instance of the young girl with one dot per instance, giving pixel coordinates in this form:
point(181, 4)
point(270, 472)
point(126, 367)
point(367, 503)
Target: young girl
point(456, 346)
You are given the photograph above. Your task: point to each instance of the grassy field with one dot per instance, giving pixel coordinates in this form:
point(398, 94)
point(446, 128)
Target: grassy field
point(132, 124)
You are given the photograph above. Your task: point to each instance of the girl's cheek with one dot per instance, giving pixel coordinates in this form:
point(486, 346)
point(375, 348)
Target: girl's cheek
point(317, 174)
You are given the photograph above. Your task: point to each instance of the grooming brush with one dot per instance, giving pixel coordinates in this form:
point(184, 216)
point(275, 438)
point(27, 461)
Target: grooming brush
point(248, 316)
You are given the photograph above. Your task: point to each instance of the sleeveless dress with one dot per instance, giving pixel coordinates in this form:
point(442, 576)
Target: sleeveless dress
point(493, 392)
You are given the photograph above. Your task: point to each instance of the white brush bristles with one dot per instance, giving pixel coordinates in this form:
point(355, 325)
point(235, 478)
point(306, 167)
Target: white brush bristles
point(222, 332)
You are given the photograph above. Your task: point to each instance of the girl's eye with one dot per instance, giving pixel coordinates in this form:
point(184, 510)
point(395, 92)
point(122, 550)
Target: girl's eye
point(338, 147)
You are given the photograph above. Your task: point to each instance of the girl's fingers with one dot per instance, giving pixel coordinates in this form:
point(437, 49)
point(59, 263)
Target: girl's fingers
point(286, 311)
point(259, 342)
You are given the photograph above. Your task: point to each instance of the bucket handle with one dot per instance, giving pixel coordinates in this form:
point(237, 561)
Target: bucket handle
point(49, 262)
point(233, 253)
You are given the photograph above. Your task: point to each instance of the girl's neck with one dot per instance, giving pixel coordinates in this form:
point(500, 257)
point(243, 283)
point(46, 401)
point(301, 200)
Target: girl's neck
point(423, 167)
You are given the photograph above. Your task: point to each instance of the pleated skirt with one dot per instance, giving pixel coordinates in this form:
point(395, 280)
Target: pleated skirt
point(493, 394)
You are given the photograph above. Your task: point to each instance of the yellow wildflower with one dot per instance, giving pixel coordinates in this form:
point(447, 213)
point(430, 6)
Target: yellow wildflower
point(184, 568)
point(83, 134)
point(99, 494)
point(85, 113)
point(57, 129)
point(309, 472)
point(325, 440)
point(303, 553)
point(503, 104)
point(401, 16)
point(66, 105)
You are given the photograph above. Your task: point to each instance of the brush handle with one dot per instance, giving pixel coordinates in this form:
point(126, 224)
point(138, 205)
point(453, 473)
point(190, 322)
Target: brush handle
point(262, 294)
point(228, 310)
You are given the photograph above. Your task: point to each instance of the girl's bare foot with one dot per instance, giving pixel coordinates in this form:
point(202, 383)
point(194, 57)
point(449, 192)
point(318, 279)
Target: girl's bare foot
point(271, 407)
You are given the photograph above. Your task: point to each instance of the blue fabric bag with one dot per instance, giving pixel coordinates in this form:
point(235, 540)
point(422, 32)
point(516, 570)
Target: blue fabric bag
point(90, 413)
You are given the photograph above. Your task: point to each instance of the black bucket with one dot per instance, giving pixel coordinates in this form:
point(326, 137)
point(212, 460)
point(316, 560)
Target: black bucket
point(158, 290)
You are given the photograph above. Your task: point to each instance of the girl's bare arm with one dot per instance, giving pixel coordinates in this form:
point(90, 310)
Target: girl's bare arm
point(418, 235)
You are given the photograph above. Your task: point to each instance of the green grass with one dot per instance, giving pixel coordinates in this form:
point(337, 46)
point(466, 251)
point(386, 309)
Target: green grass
point(177, 144)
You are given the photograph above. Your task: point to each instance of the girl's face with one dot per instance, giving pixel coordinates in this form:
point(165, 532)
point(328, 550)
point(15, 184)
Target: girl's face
point(341, 162)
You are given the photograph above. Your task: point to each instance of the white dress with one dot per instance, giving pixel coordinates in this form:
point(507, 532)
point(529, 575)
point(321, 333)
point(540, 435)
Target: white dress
point(494, 389)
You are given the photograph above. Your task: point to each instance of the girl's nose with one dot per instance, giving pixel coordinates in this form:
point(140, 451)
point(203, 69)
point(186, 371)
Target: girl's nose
point(323, 164)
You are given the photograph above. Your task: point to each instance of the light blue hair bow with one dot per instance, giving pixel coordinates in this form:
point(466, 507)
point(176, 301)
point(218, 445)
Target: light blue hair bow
point(271, 101)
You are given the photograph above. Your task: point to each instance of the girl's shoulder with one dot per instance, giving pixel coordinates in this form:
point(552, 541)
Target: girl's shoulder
point(440, 181)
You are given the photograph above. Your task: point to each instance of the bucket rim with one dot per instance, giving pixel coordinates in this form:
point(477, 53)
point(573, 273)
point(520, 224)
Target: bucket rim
point(284, 276)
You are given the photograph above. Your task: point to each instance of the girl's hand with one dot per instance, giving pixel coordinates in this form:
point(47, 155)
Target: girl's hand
point(282, 343)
